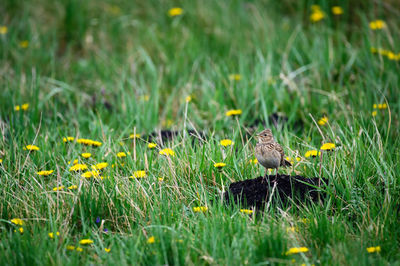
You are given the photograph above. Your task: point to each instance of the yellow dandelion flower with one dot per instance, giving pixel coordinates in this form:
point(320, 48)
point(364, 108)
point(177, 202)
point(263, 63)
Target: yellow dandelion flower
point(90, 174)
point(200, 209)
point(45, 173)
point(377, 24)
point(289, 159)
point(139, 174)
point(374, 249)
point(121, 154)
point(327, 146)
point(3, 30)
point(21, 230)
point(296, 250)
point(78, 167)
point(226, 142)
point(1, 160)
point(58, 188)
point(374, 113)
point(312, 153)
point(86, 242)
point(25, 106)
point(151, 145)
point(233, 112)
point(176, 11)
point(317, 15)
point(167, 152)
point(24, 44)
point(69, 247)
point(86, 155)
point(96, 143)
point(323, 121)
point(73, 187)
point(17, 108)
point(17, 221)
point(151, 240)
point(188, 99)
point(107, 250)
point(79, 249)
point(31, 148)
point(134, 136)
point(99, 166)
point(160, 179)
point(51, 235)
point(382, 106)
point(219, 165)
point(374, 106)
point(337, 10)
point(253, 161)
point(246, 211)
point(236, 77)
point(68, 139)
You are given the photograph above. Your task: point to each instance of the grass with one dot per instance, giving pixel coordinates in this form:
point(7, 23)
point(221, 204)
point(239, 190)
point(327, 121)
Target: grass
point(104, 70)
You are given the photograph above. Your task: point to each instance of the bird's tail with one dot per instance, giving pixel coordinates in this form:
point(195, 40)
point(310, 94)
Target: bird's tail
point(286, 163)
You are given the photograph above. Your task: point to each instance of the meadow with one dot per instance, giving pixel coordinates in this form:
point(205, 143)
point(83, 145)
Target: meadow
point(84, 83)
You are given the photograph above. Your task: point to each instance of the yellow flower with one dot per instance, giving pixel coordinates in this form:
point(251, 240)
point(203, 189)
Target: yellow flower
point(69, 247)
point(3, 30)
point(377, 24)
point(151, 145)
point(374, 113)
point(21, 230)
point(51, 235)
point(254, 161)
point(246, 211)
point(68, 139)
point(134, 136)
point(31, 148)
point(139, 174)
point(337, 10)
point(79, 249)
point(292, 229)
point(188, 98)
point(78, 167)
point(317, 15)
point(24, 44)
point(289, 159)
point(236, 77)
point(121, 154)
point(233, 112)
point(73, 187)
point(107, 250)
point(99, 166)
point(382, 106)
point(86, 242)
point(312, 153)
point(327, 146)
point(160, 179)
point(90, 174)
point(17, 108)
point(296, 250)
point(17, 221)
point(323, 121)
point(89, 142)
point(176, 11)
point(167, 152)
point(226, 142)
point(45, 173)
point(25, 106)
point(374, 249)
point(1, 160)
point(219, 165)
point(151, 240)
point(58, 188)
point(200, 209)
point(86, 155)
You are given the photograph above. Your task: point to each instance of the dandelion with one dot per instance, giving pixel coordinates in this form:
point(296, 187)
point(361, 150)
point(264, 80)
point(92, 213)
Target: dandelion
point(382, 106)
point(24, 44)
point(31, 148)
point(160, 179)
point(151, 240)
point(312, 153)
point(327, 146)
point(296, 250)
point(374, 113)
point(139, 174)
point(188, 99)
point(86, 242)
point(253, 161)
point(176, 11)
point(3, 30)
point(246, 211)
point(17, 221)
point(78, 167)
point(374, 249)
point(69, 247)
point(233, 112)
point(219, 165)
point(292, 229)
point(74, 162)
point(1, 160)
point(289, 159)
point(86, 155)
point(58, 188)
point(167, 152)
point(235, 77)
point(68, 139)
point(151, 145)
point(21, 230)
point(79, 249)
point(45, 173)
point(200, 209)
point(73, 187)
point(226, 142)
point(89, 142)
point(99, 166)
point(107, 250)
point(90, 174)
point(51, 235)
point(337, 10)
point(316, 14)
point(377, 24)
point(121, 154)
point(323, 121)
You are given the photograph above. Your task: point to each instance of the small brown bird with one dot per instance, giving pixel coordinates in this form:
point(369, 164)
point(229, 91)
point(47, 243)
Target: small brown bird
point(268, 152)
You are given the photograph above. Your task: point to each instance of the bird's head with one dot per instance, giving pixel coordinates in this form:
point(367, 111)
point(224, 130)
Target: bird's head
point(265, 136)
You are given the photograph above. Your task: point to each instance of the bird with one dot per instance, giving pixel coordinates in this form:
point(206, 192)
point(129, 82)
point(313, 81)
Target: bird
point(269, 153)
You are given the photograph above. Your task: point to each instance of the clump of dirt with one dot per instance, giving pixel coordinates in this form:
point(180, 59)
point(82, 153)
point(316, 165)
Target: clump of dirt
point(256, 192)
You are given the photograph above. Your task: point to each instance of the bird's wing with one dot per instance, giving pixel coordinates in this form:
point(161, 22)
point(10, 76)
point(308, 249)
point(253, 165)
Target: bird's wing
point(278, 148)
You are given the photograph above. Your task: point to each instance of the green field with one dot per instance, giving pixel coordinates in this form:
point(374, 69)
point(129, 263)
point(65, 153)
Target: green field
point(109, 73)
